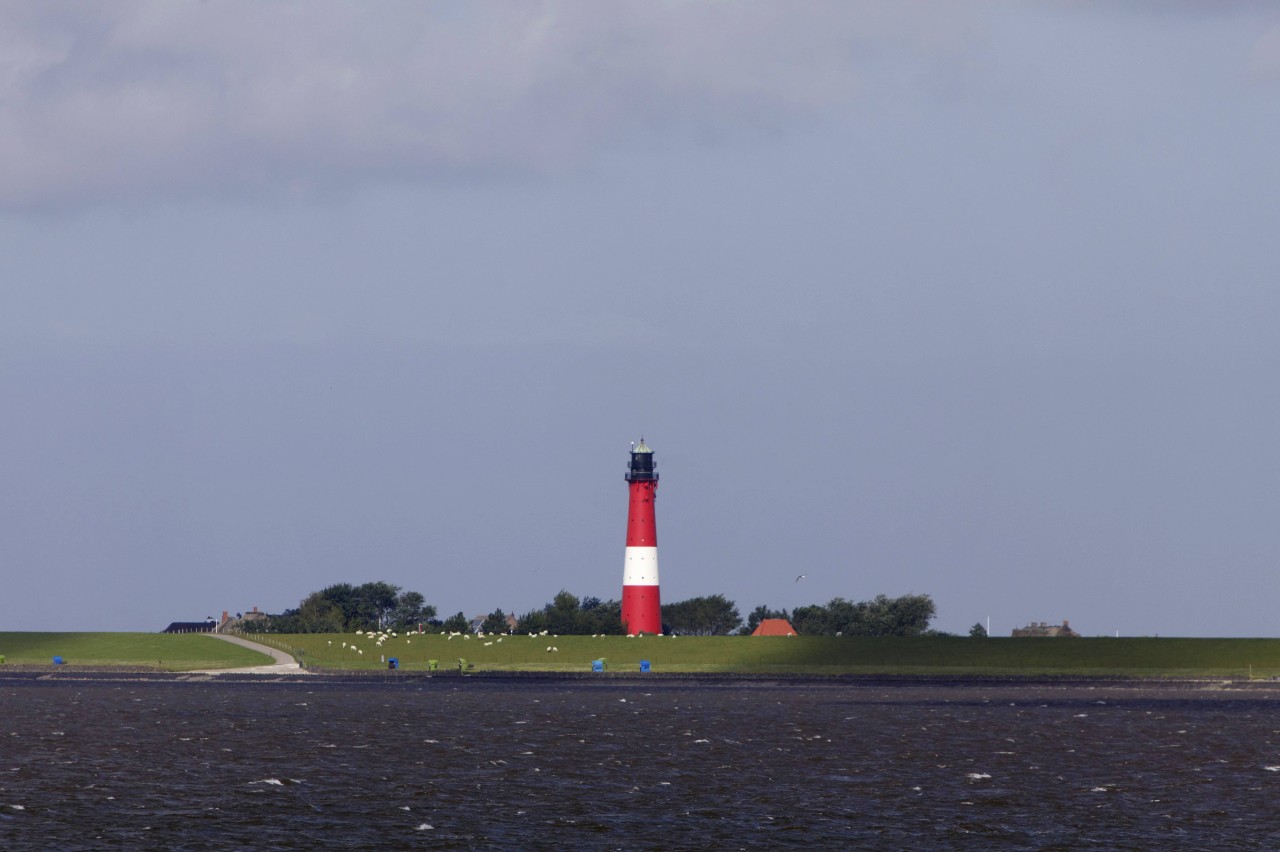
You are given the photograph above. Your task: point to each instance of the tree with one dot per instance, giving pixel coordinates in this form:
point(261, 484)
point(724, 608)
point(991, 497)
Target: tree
point(562, 613)
point(814, 620)
point(534, 621)
point(375, 602)
point(342, 596)
point(908, 615)
point(567, 615)
point(977, 631)
point(495, 622)
point(317, 615)
point(456, 624)
point(597, 616)
point(712, 615)
point(758, 615)
point(343, 607)
point(411, 609)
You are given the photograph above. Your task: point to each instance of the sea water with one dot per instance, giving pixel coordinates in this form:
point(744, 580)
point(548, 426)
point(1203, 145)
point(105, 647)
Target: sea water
point(461, 763)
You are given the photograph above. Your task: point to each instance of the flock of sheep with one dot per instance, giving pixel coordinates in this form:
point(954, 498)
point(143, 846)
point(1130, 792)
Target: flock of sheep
point(379, 637)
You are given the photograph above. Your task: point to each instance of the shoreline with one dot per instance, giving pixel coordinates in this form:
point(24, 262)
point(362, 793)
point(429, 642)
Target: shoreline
point(31, 673)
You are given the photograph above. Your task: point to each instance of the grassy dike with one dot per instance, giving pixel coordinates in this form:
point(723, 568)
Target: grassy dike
point(954, 656)
point(929, 656)
point(160, 651)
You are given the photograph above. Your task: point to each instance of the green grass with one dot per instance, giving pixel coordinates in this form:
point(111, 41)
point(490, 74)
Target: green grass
point(168, 652)
point(1140, 657)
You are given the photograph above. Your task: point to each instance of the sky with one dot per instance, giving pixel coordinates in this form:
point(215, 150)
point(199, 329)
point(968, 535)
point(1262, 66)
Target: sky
point(975, 300)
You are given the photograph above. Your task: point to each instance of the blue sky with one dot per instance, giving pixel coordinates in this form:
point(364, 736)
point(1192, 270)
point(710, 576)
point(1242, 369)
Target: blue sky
point(975, 300)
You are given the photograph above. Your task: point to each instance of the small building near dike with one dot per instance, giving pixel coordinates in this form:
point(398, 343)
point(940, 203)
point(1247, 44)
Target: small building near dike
point(774, 627)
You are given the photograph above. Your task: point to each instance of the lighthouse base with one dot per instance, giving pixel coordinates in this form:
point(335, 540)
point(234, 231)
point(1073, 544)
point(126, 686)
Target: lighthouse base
point(641, 610)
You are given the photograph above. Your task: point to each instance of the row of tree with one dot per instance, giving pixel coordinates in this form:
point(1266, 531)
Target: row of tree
point(344, 608)
point(713, 615)
point(381, 606)
point(569, 615)
point(908, 615)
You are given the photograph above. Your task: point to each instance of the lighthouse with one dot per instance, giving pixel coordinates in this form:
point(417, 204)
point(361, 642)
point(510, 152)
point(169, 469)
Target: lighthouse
point(641, 609)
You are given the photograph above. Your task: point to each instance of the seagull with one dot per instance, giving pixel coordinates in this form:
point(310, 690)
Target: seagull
point(801, 577)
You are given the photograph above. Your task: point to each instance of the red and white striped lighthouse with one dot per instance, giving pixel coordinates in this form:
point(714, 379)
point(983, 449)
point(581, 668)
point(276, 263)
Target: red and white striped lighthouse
point(641, 608)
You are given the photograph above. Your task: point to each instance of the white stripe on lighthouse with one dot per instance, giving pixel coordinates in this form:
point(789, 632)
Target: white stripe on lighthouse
point(640, 567)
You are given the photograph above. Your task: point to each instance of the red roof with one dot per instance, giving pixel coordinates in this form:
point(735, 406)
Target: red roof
point(775, 627)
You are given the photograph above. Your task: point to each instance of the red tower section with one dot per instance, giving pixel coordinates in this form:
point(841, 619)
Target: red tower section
point(641, 605)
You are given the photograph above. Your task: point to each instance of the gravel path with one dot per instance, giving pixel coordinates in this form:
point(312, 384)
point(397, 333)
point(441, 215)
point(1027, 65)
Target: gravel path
point(284, 664)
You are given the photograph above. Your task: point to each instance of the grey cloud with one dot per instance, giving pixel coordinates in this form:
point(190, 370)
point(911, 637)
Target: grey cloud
point(142, 101)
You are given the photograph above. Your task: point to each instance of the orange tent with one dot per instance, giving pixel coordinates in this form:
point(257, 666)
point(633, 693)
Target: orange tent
point(774, 627)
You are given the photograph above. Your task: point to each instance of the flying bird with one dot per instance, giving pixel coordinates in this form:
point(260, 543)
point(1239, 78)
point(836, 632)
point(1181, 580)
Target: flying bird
point(801, 577)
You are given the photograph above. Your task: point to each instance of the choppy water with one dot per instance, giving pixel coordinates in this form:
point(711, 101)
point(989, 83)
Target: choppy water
point(451, 763)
